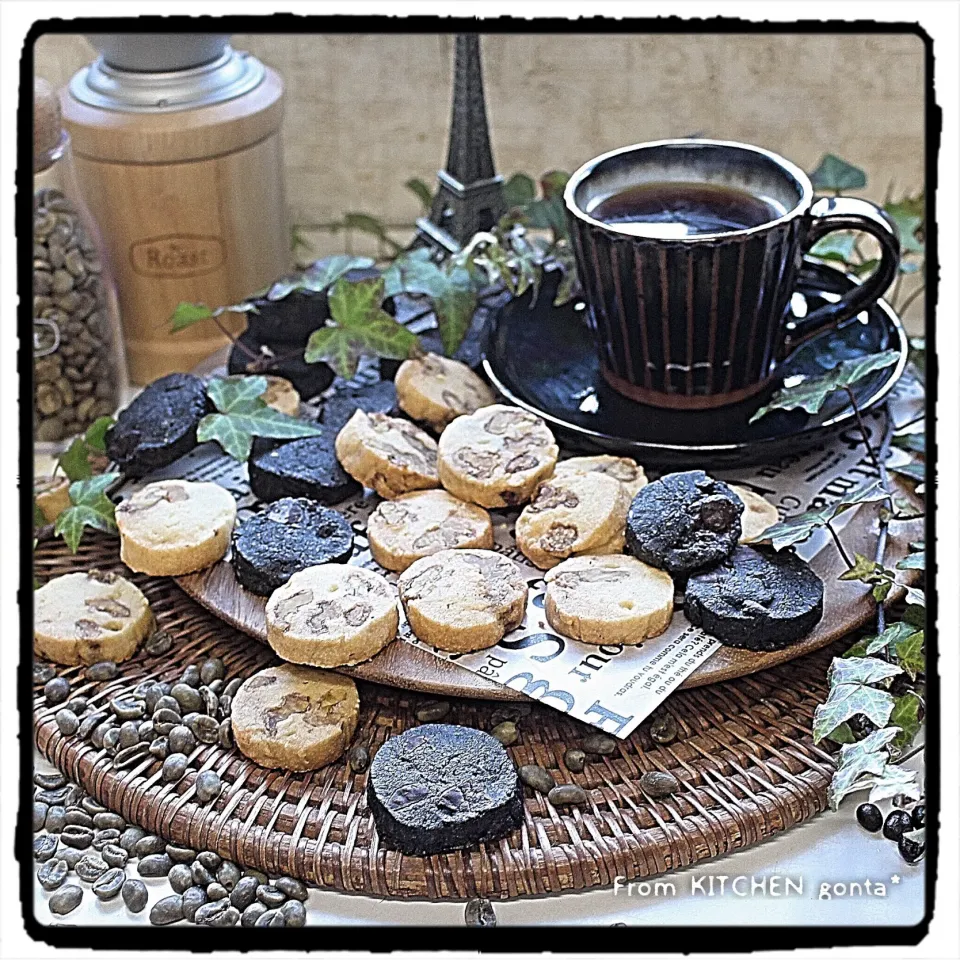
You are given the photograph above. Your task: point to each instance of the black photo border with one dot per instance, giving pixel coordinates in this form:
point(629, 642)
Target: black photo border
point(580, 938)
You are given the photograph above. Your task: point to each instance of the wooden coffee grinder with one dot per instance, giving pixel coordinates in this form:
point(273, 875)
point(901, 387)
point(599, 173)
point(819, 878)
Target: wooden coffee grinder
point(176, 141)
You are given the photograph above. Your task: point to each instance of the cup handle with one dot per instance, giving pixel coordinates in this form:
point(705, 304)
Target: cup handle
point(847, 213)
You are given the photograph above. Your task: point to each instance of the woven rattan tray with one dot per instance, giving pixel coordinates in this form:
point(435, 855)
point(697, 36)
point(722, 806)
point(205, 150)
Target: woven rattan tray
point(744, 754)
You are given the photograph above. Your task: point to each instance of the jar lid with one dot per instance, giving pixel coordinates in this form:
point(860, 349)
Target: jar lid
point(47, 126)
point(231, 74)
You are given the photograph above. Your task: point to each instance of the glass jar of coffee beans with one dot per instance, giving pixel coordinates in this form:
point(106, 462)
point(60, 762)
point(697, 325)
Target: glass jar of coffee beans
point(78, 361)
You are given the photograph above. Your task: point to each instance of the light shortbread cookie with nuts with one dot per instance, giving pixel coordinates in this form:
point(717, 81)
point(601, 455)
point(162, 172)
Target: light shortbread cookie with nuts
point(571, 514)
point(497, 456)
point(423, 523)
point(281, 395)
point(624, 469)
point(89, 617)
point(758, 516)
point(332, 615)
point(608, 600)
point(389, 455)
point(437, 390)
point(294, 718)
point(463, 600)
point(175, 527)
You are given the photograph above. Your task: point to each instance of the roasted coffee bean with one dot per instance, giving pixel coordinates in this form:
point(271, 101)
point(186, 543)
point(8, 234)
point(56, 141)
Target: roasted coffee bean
point(43, 673)
point(111, 740)
point(479, 913)
point(97, 737)
point(166, 911)
point(128, 708)
point(129, 838)
point(160, 748)
point(102, 837)
point(225, 735)
point(211, 910)
point(45, 846)
point(202, 877)
point(209, 700)
point(90, 867)
point(78, 705)
point(228, 874)
point(151, 694)
point(656, 783)
point(129, 734)
point(56, 691)
point(574, 760)
point(193, 899)
point(258, 875)
point(212, 669)
point(210, 860)
point(174, 767)
point(207, 786)
point(230, 917)
point(252, 914)
point(155, 865)
point(78, 837)
point(205, 729)
point(506, 733)
point(149, 845)
point(109, 884)
point(272, 918)
point(897, 822)
point(52, 874)
point(134, 893)
point(158, 643)
point(244, 893)
point(57, 818)
point(181, 739)
point(270, 896)
point(59, 797)
point(536, 778)
point(230, 690)
point(191, 676)
point(358, 758)
point(49, 781)
point(187, 697)
point(599, 744)
point(181, 854)
point(225, 704)
point(216, 687)
point(663, 728)
point(70, 856)
point(65, 900)
point(180, 877)
point(67, 722)
point(115, 855)
point(294, 913)
point(130, 756)
point(292, 887)
point(145, 731)
point(104, 670)
point(432, 711)
point(167, 702)
point(78, 817)
point(39, 815)
point(90, 723)
point(92, 806)
point(217, 891)
point(568, 794)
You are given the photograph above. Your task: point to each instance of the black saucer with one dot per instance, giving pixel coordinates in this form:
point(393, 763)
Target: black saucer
point(542, 358)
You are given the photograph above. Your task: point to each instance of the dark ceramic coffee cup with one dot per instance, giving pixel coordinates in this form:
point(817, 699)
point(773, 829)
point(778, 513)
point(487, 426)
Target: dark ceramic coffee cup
point(704, 320)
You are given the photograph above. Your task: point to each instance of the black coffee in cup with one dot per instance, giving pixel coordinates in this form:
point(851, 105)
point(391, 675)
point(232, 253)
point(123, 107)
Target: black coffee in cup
point(676, 209)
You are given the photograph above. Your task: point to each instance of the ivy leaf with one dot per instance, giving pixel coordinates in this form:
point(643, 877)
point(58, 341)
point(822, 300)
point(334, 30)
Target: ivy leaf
point(414, 273)
point(868, 266)
point(910, 655)
point(860, 765)
point(905, 715)
point(519, 190)
point(324, 273)
point(96, 434)
point(832, 173)
point(890, 637)
point(843, 734)
point(811, 393)
point(914, 442)
point(553, 184)
point(243, 415)
point(835, 246)
point(548, 214)
point(914, 471)
point(39, 520)
point(798, 528)
point(75, 460)
point(455, 309)
point(359, 326)
point(895, 780)
point(908, 220)
point(187, 314)
point(90, 507)
point(915, 615)
point(851, 693)
point(915, 597)
point(913, 561)
point(421, 191)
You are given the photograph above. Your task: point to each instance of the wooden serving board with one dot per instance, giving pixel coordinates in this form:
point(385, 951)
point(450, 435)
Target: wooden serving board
point(847, 606)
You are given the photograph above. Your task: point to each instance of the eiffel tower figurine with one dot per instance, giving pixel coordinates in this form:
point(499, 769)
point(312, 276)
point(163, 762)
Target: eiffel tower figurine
point(469, 194)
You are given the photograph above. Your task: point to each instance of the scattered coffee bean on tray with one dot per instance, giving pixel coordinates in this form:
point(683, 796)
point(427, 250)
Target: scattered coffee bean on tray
point(291, 887)
point(574, 760)
point(432, 711)
point(57, 818)
point(656, 783)
point(567, 794)
point(166, 911)
point(294, 913)
point(52, 874)
point(252, 914)
point(39, 815)
point(599, 744)
point(109, 884)
point(174, 767)
point(180, 877)
point(67, 722)
point(91, 867)
point(193, 899)
point(180, 854)
point(358, 758)
point(217, 891)
point(663, 728)
point(155, 865)
point(506, 733)
point(43, 673)
point(134, 893)
point(228, 874)
point(536, 778)
point(104, 670)
point(56, 691)
point(244, 893)
point(115, 855)
point(65, 900)
point(479, 912)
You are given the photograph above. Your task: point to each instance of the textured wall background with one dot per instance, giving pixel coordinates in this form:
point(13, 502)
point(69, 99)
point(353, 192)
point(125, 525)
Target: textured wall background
point(366, 112)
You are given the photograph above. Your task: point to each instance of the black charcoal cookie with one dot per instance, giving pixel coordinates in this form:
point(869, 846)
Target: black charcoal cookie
point(308, 379)
point(303, 468)
point(756, 599)
point(379, 397)
point(286, 537)
point(683, 521)
point(159, 426)
point(440, 787)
